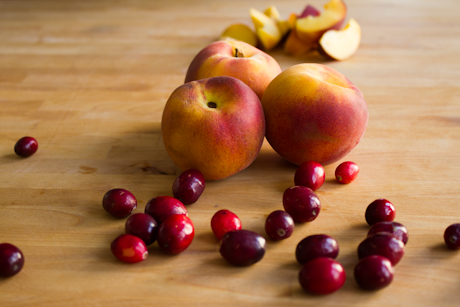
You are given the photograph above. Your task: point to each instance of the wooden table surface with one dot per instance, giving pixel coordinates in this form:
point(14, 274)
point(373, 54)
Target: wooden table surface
point(89, 80)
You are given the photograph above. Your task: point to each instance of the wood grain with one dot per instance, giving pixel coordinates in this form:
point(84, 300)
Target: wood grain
point(89, 80)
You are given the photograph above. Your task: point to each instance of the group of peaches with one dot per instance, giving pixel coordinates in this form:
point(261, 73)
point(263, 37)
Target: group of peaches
point(299, 34)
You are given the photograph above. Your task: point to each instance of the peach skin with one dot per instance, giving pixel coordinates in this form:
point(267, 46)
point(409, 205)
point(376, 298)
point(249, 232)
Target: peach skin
point(315, 113)
point(235, 59)
point(215, 125)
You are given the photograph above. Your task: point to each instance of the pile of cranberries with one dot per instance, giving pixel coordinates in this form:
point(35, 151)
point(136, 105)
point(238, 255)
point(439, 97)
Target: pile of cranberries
point(164, 220)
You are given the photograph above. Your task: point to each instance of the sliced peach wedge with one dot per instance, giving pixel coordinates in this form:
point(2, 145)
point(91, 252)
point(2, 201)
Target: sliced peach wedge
point(266, 29)
point(241, 32)
point(340, 45)
point(310, 28)
point(294, 45)
point(283, 25)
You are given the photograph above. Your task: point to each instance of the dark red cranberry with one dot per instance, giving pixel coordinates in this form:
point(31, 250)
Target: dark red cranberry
point(175, 234)
point(383, 244)
point(374, 272)
point(224, 221)
point(316, 246)
point(452, 236)
point(310, 174)
point(189, 186)
point(119, 202)
point(129, 249)
point(26, 146)
point(301, 203)
point(346, 172)
point(322, 276)
point(397, 229)
point(242, 247)
point(11, 260)
point(143, 226)
point(279, 225)
point(380, 210)
point(163, 206)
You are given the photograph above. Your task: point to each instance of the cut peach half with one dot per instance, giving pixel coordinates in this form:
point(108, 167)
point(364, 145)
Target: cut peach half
point(310, 28)
point(340, 45)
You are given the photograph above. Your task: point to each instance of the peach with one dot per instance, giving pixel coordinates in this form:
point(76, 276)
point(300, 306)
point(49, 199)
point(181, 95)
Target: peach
point(313, 113)
point(340, 45)
point(266, 29)
point(240, 32)
point(283, 25)
point(235, 59)
point(294, 45)
point(215, 125)
point(311, 28)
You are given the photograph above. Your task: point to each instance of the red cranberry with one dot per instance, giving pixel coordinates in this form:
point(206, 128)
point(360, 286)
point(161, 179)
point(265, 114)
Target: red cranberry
point(380, 210)
point(452, 236)
point(163, 206)
point(346, 172)
point(397, 229)
point(279, 225)
point(175, 234)
point(129, 249)
point(188, 186)
point(383, 244)
point(143, 226)
point(316, 246)
point(301, 203)
point(26, 146)
point(374, 272)
point(242, 247)
point(11, 260)
point(310, 174)
point(224, 221)
point(119, 202)
point(322, 276)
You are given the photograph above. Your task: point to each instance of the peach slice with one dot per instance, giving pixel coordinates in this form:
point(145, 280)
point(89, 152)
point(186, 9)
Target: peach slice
point(266, 29)
point(240, 32)
point(340, 45)
point(309, 10)
point(294, 45)
point(310, 29)
point(283, 25)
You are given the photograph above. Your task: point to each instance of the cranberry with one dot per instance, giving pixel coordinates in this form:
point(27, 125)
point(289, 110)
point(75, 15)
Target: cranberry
point(11, 260)
point(163, 206)
point(452, 236)
point(322, 276)
point(397, 229)
point(380, 210)
point(279, 225)
point(26, 146)
point(175, 234)
point(224, 221)
point(242, 247)
point(119, 202)
point(301, 203)
point(143, 226)
point(310, 174)
point(129, 248)
point(383, 244)
point(374, 272)
point(189, 186)
point(316, 246)
point(346, 172)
